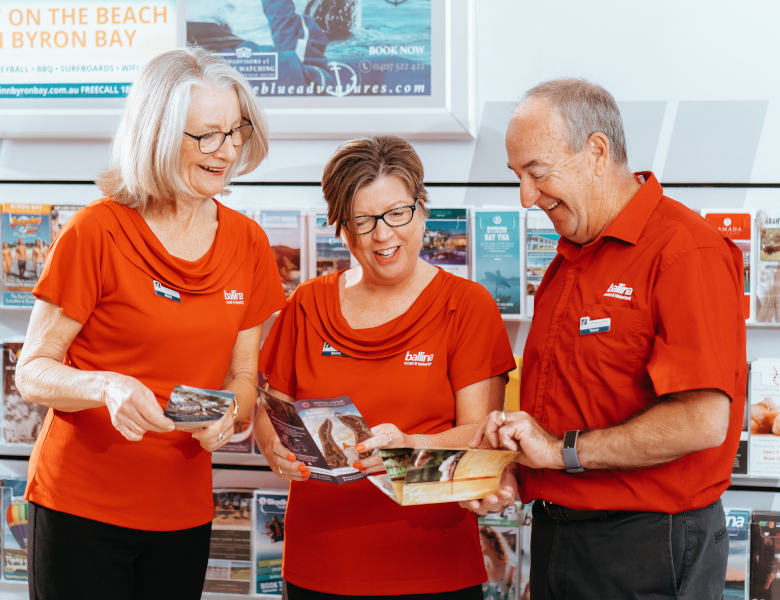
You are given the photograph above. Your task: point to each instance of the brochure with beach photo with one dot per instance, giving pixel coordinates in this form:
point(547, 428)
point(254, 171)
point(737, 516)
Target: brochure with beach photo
point(197, 407)
point(230, 551)
point(768, 271)
point(541, 247)
point(26, 238)
point(445, 241)
point(433, 475)
point(500, 540)
point(321, 433)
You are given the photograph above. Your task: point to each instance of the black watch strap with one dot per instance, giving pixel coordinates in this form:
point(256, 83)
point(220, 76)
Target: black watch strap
point(570, 452)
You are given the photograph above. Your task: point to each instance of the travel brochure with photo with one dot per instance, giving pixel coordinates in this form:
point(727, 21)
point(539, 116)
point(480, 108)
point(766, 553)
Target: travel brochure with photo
point(190, 407)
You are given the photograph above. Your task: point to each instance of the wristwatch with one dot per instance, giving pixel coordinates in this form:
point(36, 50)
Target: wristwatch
point(570, 452)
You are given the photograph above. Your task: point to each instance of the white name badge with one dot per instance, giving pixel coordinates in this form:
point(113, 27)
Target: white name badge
point(166, 292)
point(596, 326)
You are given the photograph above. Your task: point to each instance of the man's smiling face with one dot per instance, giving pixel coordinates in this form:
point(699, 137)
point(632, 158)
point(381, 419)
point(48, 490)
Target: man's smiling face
point(551, 177)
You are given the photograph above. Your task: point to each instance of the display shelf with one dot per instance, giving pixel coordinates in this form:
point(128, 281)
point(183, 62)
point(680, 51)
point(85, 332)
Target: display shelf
point(23, 450)
point(6, 307)
point(748, 481)
point(17, 590)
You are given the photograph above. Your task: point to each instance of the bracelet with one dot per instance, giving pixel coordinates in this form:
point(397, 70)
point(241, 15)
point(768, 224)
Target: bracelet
point(423, 439)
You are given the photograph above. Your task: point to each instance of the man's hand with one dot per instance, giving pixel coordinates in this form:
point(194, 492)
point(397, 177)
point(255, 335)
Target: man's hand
point(495, 503)
point(520, 432)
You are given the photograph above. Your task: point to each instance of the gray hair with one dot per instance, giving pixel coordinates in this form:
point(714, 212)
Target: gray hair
point(143, 169)
point(586, 108)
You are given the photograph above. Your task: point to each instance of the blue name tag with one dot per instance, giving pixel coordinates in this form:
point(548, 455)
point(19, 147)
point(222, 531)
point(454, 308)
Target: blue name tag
point(328, 350)
point(596, 326)
point(165, 292)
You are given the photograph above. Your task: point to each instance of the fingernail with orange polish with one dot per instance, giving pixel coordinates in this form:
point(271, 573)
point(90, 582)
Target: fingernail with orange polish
point(291, 458)
point(357, 465)
point(362, 470)
point(360, 447)
point(302, 468)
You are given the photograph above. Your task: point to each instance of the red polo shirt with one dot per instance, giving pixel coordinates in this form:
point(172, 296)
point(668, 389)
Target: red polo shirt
point(671, 287)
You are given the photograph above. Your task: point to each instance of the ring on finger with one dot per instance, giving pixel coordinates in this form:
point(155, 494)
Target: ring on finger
point(220, 437)
point(280, 470)
point(503, 417)
point(390, 438)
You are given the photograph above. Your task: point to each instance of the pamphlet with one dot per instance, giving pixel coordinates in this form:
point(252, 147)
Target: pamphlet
point(60, 213)
point(22, 420)
point(26, 241)
point(326, 254)
point(285, 234)
point(499, 537)
point(768, 276)
point(741, 463)
point(197, 407)
point(230, 553)
point(541, 249)
point(14, 529)
point(433, 475)
point(321, 433)
point(764, 452)
point(497, 257)
point(445, 241)
point(268, 514)
point(737, 525)
point(764, 547)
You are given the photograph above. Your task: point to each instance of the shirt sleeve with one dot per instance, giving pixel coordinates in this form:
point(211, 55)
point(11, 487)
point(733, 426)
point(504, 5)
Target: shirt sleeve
point(479, 347)
point(697, 306)
point(267, 295)
point(277, 356)
point(73, 275)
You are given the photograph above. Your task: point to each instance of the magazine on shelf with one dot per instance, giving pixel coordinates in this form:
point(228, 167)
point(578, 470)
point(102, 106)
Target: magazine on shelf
point(541, 247)
point(60, 213)
point(764, 447)
point(764, 548)
point(500, 539)
point(768, 266)
point(230, 552)
point(433, 475)
point(268, 517)
point(190, 407)
point(741, 458)
point(321, 432)
point(737, 225)
point(326, 254)
point(14, 528)
point(284, 229)
point(524, 574)
point(26, 240)
point(737, 569)
point(22, 420)
point(496, 257)
point(445, 241)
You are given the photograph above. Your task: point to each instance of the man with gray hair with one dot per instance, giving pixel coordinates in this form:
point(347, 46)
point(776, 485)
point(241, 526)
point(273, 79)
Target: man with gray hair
point(634, 371)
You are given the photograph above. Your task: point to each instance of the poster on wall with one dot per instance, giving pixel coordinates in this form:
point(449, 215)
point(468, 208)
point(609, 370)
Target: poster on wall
point(85, 49)
point(322, 48)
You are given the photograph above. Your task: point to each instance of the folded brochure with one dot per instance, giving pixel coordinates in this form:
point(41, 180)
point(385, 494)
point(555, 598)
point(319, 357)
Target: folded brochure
point(197, 407)
point(433, 475)
point(321, 433)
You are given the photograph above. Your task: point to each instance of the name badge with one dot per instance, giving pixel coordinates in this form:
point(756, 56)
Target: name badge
point(328, 350)
point(596, 326)
point(164, 292)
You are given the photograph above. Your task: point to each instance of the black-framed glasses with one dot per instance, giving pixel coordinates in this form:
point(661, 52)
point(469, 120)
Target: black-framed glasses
point(395, 217)
point(209, 143)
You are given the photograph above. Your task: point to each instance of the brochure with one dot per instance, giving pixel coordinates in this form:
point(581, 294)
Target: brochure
point(764, 547)
point(737, 524)
point(321, 433)
point(60, 213)
point(197, 407)
point(230, 553)
point(432, 475)
point(499, 537)
point(26, 241)
point(768, 276)
point(22, 420)
point(268, 514)
point(326, 254)
point(497, 257)
point(764, 447)
point(445, 241)
point(285, 234)
point(740, 466)
point(14, 529)
point(541, 247)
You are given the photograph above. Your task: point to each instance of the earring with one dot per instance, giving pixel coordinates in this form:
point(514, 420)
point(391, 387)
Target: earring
point(343, 245)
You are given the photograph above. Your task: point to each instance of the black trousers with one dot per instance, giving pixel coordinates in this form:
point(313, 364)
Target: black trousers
point(630, 555)
point(73, 557)
point(293, 592)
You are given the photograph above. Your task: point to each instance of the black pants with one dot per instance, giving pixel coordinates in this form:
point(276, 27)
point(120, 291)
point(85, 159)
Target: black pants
point(630, 555)
point(293, 592)
point(73, 557)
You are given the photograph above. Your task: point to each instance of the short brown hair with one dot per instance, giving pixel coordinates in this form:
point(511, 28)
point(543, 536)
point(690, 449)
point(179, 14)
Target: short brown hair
point(358, 163)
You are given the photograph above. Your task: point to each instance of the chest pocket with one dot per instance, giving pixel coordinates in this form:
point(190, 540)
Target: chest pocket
point(611, 358)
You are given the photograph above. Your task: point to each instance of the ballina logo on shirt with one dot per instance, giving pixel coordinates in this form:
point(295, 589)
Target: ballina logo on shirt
point(421, 359)
point(234, 297)
point(620, 291)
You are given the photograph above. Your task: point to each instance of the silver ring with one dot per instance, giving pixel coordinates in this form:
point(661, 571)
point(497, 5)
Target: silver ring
point(220, 436)
point(503, 417)
point(389, 437)
point(280, 470)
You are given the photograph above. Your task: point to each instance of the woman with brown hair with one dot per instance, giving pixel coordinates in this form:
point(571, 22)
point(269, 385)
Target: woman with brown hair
point(422, 354)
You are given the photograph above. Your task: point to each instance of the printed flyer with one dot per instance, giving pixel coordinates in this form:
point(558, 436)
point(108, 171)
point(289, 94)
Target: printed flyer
point(540, 250)
point(230, 552)
point(764, 548)
point(768, 276)
point(333, 48)
point(764, 453)
point(737, 571)
point(445, 241)
point(268, 515)
point(22, 420)
point(26, 241)
point(497, 257)
point(60, 213)
point(433, 475)
point(84, 49)
point(321, 433)
point(14, 529)
point(285, 234)
point(197, 407)
point(500, 539)
point(327, 255)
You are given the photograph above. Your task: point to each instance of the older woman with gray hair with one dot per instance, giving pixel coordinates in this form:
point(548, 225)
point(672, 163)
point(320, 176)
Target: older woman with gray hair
point(156, 284)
